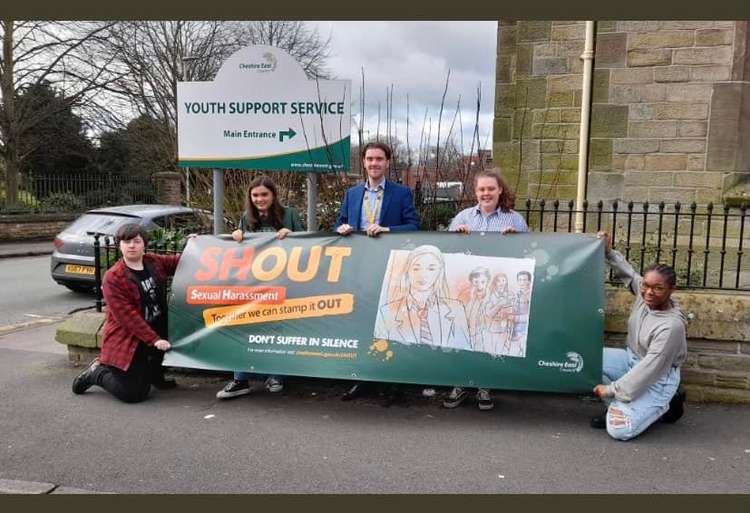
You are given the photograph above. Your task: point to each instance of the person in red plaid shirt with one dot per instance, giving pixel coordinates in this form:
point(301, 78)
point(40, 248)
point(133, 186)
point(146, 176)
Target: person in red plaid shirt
point(135, 328)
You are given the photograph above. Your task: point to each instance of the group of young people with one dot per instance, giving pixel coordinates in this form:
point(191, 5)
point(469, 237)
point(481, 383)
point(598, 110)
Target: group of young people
point(640, 383)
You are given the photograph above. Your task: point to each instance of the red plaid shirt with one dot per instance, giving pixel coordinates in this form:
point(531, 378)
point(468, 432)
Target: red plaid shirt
point(125, 326)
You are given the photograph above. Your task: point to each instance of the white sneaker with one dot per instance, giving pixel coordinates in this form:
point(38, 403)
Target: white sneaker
point(455, 398)
point(428, 392)
point(274, 385)
point(484, 399)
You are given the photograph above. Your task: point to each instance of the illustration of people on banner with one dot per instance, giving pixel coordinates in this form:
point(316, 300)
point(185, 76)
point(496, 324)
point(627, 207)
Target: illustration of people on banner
point(456, 301)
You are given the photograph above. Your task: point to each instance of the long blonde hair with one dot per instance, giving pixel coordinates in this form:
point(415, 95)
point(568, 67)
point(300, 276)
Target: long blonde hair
point(441, 284)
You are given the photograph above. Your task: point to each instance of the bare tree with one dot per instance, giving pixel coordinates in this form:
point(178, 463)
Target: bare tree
point(306, 45)
point(56, 53)
point(154, 55)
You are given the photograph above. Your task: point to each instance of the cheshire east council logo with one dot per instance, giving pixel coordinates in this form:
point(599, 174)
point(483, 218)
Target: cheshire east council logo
point(574, 363)
point(268, 63)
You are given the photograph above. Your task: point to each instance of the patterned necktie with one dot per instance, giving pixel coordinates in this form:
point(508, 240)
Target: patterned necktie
point(425, 337)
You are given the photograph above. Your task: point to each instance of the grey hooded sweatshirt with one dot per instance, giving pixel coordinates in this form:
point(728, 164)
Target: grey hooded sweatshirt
point(657, 336)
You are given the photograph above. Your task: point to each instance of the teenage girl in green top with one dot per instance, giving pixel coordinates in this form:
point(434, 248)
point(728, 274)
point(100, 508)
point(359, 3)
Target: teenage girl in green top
point(264, 214)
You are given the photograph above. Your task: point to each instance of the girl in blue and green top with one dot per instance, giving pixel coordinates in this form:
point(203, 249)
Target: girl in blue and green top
point(264, 213)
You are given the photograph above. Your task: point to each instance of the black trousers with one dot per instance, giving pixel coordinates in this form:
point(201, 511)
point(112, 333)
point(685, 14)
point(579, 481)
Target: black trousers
point(134, 384)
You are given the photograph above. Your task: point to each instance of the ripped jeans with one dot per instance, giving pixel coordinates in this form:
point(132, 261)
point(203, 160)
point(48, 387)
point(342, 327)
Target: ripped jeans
point(626, 420)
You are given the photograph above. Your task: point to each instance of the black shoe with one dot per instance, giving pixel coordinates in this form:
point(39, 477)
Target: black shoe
point(354, 392)
point(676, 408)
point(165, 384)
point(85, 379)
point(234, 388)
point(599, 422)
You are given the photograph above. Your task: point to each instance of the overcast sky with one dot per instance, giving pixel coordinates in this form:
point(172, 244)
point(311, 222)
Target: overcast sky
point(415, 57)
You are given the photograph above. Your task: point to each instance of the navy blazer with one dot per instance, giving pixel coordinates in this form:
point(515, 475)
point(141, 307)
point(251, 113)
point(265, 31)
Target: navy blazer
point(396, 212)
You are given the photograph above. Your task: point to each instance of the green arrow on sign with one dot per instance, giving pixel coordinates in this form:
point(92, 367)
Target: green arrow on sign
point(289, 133)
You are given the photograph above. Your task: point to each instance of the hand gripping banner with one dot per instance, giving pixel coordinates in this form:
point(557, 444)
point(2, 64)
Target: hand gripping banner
point(520, 311)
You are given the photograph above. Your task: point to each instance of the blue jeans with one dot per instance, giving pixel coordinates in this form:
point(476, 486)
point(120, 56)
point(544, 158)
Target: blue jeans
point(246, 376)
point(644, 410)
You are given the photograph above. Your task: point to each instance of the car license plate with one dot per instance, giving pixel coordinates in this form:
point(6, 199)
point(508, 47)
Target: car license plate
point(79, 269)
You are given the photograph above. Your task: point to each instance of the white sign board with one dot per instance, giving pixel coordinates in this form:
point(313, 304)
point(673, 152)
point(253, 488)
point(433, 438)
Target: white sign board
point(262, 112)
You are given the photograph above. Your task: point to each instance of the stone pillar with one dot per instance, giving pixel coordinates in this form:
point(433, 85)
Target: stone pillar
point(728, 152)
point(670, 116)
point(168, 189)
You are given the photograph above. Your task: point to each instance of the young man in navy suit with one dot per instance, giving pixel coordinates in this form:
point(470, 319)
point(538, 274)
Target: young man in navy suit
point(377, 206)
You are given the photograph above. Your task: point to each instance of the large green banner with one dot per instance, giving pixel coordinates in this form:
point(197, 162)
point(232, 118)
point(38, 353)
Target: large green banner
point(521, 311)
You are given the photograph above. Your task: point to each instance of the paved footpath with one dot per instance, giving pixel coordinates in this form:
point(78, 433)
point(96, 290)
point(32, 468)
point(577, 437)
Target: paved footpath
point(25, 248)
point(307, 440)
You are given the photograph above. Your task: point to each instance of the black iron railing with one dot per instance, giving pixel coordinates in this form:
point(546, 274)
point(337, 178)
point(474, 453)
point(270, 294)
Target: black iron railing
point(79, 192)
point(704, 244)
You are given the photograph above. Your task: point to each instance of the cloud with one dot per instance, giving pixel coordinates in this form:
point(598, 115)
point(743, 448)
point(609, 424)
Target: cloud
point(414, 57)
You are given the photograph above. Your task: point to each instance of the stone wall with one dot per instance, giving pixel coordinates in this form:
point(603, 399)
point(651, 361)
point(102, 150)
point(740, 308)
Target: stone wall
point(718, 364)
point(670, 113)
point(30, 227)
point(168, 188)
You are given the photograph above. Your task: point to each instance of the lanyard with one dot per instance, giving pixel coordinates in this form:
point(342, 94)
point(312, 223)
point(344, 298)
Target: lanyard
point(372, 214)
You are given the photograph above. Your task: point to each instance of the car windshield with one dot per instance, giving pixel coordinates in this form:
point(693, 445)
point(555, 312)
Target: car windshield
point(99, 223)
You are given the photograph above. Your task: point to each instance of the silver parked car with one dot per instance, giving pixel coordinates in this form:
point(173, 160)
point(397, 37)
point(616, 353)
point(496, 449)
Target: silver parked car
point(72, 263)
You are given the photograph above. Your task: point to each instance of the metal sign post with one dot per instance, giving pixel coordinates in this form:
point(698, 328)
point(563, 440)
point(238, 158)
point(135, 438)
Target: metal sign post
point(218, 201)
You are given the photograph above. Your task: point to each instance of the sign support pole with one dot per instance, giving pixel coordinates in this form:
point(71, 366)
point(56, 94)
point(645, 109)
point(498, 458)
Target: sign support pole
point(218, 201)
point(187, 186)
point(312, 202)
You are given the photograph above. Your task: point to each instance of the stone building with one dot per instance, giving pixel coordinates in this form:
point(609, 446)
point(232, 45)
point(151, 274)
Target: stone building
point(670, 122)
point(670, 110)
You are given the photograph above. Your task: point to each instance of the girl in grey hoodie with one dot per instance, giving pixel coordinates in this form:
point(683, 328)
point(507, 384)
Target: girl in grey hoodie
point(641, 380)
